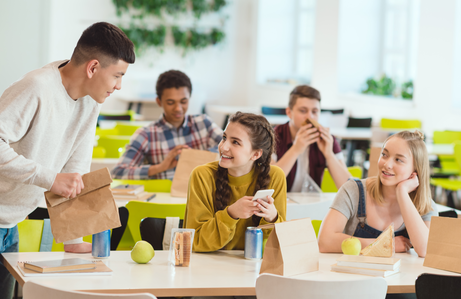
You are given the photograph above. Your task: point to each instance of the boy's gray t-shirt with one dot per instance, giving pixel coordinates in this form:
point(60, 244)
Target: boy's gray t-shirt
point(347, 201)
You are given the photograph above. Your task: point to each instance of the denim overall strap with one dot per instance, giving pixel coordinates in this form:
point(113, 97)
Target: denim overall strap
point(361, 211)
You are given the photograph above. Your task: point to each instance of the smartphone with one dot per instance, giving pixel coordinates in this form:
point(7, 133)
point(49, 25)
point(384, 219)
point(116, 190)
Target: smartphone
point(263, 194)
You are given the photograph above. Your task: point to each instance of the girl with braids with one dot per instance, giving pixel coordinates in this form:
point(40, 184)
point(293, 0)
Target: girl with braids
point(400, 194)
point(219, 200)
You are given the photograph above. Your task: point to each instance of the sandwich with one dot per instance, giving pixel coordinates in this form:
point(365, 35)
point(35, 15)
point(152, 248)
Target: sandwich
point(313, 122)
point(182, 248)
point(384, 246)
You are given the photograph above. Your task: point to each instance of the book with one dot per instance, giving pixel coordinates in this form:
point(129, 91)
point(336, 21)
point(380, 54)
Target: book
point(144, 196)
point(60, 265)
point(384, 246)
point(100, 269)
point(363, 271)
point(127, 189)
point(369, 262)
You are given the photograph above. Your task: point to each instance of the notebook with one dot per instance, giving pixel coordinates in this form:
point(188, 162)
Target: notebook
point(60, 265)
point(364, 271)
point(99, 269)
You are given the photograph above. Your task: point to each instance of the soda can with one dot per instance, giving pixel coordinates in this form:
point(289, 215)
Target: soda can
point(101, 244)
point(253, 243)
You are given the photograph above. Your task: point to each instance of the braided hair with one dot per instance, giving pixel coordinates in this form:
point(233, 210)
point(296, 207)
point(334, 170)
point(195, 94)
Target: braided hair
point(261, 137)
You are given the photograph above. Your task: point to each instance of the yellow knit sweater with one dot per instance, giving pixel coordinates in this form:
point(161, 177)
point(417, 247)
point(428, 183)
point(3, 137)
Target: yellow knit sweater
point(214, 231)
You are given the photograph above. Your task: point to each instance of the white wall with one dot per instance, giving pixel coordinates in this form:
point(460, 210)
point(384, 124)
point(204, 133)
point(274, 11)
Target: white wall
point(24, 27)
point(218, 73)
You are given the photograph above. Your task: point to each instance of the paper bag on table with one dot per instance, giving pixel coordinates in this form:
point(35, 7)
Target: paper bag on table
point(291, 248)
point(444, 244)
point(92, 211)
point(188, 160)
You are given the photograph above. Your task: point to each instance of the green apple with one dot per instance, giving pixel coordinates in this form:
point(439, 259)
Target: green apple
point(351, 246)
point(142, 252)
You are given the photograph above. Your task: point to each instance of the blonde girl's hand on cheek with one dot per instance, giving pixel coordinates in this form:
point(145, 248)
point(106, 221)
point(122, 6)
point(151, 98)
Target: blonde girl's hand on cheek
point(243, 208)
point(267, 209)
point(402, 244)
point(326, 141)
point(410, 184)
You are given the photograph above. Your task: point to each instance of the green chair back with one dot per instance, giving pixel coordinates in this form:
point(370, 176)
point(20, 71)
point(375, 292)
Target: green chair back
point(99, 152)
point(316, 224)
point(328, 185)
point(448, 164)
point(441, 137)
point(138, 210)
point(388, 123)
point(106, 132)
point(126, 128)
point(457, 153)
point(114, 145)
point(149, 185)
point(30, 235)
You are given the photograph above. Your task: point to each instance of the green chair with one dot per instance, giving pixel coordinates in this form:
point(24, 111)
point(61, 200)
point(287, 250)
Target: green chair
point(388, 123)
point(114, 145)
point(451, 184)
point(139, 210)
point(30, 235)
point(126, 128)
point(447, 162)
point(316, 224)
point(149, 185)
point(106, 132)
point(99, 152)
point(127, 242)
point(328, 185)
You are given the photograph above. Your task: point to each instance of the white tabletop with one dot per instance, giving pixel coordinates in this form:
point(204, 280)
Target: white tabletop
point(222, 273)
point(352, 133)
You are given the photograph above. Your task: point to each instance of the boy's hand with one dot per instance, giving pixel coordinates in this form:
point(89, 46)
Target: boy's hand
point(170, 159)
point(67, 185)
point(305, 136)
point(326, 141)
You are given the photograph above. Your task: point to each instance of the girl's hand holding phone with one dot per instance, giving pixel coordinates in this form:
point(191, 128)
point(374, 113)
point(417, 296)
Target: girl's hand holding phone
point(243, 208)
point(410, 184)
point(266, 209)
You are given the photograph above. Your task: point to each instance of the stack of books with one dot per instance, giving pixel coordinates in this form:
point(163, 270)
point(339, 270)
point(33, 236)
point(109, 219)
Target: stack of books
point(367, 265)
point(131, 192)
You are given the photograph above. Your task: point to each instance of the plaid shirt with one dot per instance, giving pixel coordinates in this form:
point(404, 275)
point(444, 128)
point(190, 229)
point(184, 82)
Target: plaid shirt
point(151, 144)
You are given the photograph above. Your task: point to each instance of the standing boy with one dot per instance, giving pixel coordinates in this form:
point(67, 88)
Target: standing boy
point(152, 151)
point(47, 127)
point(303, 150)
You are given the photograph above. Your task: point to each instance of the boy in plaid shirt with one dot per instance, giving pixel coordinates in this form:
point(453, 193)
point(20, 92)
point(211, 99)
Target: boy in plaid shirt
point(152, 151)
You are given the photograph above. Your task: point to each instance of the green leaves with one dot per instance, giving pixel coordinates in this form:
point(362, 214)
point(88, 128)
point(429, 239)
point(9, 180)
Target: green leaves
point(385, 86)
point(142, 12)
point(193, 39)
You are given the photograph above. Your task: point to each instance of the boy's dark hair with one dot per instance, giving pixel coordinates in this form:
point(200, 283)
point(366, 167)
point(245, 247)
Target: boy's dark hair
point(172, 79)
point(303, 91)
point(106, 43)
